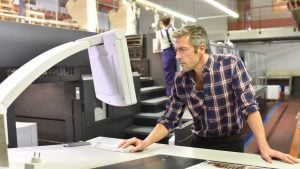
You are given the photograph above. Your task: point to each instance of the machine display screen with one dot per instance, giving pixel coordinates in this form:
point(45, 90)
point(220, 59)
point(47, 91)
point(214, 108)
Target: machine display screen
point(175, 162)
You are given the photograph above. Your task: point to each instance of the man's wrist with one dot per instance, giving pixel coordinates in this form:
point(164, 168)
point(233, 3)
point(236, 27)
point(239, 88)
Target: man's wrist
point(146, 143)
point(264, 147)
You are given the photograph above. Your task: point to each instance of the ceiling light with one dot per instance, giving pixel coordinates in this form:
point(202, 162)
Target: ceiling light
point(212, 17)
point(166, 10)
point(223, 8)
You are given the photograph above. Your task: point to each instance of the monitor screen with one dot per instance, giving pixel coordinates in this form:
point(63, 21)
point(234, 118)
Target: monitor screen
point(111, 70)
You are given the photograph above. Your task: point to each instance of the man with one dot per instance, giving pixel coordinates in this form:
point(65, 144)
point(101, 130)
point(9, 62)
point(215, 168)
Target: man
point(218, 93)
point(166, 43)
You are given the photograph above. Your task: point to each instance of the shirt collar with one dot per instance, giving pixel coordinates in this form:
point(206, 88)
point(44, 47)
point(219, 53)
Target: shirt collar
point(209, 64)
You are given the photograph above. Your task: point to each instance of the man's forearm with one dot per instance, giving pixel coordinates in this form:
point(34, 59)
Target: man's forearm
point(255, 123)
point(158, 133)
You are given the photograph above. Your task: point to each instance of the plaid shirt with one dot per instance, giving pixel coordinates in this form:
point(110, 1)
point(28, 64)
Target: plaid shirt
point(221, 107)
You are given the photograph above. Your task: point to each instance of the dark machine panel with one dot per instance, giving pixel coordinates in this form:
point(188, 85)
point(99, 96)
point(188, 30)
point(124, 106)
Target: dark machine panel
point(50, 105)
point(156, 162)
point(21, 42)
point(175, 162)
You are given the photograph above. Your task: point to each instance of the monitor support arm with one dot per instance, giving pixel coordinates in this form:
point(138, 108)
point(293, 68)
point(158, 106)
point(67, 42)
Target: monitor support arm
point(17, 82)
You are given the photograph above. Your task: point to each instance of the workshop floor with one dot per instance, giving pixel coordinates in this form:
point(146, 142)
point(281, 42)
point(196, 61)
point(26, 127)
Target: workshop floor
point(280, 124)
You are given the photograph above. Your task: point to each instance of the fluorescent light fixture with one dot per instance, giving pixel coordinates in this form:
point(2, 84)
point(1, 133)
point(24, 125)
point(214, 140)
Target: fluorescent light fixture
point(223, 8)
point(166, 10)
point(212, 17)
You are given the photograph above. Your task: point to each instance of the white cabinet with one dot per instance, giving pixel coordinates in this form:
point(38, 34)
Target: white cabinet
point(26, 134)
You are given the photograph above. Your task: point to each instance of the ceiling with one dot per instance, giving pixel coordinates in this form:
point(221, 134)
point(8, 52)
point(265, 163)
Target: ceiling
point(193, 8)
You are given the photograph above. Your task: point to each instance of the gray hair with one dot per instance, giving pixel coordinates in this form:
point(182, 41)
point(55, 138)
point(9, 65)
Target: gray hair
point(197, 36)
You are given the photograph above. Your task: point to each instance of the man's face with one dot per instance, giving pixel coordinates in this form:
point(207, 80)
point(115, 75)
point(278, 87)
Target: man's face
point(187, 56)
point(161, 24)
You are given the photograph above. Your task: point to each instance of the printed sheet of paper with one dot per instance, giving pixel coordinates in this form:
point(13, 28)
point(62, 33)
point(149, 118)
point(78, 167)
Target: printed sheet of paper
point(222, 165)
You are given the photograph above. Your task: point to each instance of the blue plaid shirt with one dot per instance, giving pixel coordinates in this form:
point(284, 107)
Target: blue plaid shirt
point(221, 107)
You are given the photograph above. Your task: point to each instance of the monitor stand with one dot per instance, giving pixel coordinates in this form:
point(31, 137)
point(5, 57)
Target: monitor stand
point(3, 146)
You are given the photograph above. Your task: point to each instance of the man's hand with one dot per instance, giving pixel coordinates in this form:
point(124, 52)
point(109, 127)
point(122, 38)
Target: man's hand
point(138, 145)
point(269, 153)
point(159, 132)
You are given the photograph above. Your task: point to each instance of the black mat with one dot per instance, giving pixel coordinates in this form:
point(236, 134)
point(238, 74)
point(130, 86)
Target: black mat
point(155, 162)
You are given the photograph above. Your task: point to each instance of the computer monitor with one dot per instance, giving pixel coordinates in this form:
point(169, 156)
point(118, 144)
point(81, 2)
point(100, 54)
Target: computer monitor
point(110, 68)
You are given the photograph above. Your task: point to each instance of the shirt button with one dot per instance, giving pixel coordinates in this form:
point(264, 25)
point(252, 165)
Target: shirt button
point(210, 120)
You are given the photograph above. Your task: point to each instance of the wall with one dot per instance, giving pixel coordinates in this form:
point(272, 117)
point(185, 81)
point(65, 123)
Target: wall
point(216, 28)
point(282, 57)
point(267, 11)
point(48, 5)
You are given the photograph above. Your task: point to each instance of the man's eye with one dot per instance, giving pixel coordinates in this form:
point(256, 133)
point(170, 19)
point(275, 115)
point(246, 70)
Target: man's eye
point(181, 49)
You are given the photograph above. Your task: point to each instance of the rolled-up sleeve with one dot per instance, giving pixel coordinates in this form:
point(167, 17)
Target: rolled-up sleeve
point(174, 111)
point(243, 89)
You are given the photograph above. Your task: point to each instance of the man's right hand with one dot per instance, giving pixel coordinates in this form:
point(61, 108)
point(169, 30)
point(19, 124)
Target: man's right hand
point(138, 145)
point(159, 132)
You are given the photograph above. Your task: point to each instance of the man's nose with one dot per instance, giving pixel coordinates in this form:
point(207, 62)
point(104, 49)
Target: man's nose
point(178, 56)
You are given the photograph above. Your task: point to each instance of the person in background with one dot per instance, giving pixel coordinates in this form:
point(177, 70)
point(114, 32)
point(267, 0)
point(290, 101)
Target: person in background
point(22, 7)
point(217, 91)
point(166, 43)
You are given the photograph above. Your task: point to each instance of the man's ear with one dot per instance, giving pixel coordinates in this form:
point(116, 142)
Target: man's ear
point(202, 47)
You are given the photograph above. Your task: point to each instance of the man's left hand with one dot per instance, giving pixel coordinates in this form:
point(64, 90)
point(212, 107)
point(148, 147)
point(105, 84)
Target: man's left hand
point(270, 153)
